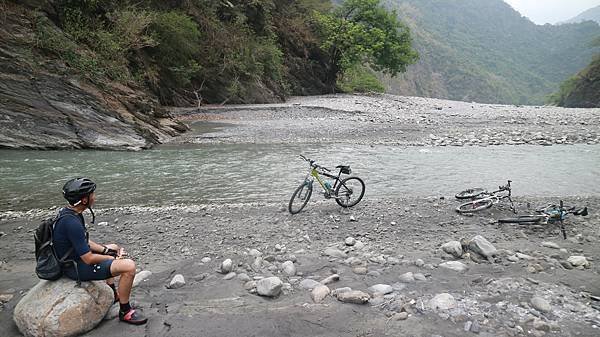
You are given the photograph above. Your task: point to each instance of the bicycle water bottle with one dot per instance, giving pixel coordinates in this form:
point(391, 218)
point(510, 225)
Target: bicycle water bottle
point(328, 185)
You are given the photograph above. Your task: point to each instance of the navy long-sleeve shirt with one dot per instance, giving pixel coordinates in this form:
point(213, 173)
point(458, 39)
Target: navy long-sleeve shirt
point(69, 231)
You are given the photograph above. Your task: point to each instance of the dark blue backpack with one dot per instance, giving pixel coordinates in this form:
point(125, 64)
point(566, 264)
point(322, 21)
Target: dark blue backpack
point(48, 265)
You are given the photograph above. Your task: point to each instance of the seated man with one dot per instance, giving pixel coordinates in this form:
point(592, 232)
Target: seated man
point(92, 261)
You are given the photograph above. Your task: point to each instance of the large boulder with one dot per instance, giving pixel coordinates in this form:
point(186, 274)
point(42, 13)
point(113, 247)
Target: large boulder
point(453, 248)
point(270, 286)
point(442, 301)
point(482, 246)
point(61, 308)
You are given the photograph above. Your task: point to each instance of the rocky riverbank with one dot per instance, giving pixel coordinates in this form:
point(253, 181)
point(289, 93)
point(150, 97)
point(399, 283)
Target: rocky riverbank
point(394, 120)
point(397, 257)
point(45, 105)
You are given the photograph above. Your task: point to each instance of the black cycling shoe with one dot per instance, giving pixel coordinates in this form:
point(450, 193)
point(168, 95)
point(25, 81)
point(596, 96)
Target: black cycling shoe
point(132, 317)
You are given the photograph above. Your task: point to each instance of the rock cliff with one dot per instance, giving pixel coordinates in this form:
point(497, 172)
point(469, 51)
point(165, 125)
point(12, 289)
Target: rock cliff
point(44, 105)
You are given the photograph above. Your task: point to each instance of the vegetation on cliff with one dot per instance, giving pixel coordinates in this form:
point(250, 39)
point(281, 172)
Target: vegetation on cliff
point(583, 89)
point(233, 51)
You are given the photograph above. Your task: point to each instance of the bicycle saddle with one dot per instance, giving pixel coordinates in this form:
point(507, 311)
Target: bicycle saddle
point(582, 212)
point(344, 168)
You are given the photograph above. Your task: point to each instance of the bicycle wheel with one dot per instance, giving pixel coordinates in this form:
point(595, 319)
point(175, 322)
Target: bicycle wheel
point(300, 198)
point(474, 206)
point(526, 219)
point(349, 192)
point(470, 193)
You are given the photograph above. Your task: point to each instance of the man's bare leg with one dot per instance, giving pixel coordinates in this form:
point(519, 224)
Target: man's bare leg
point(126, 269)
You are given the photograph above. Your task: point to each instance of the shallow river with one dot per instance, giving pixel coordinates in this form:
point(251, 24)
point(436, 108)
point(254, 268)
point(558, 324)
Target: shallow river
point(240, 173)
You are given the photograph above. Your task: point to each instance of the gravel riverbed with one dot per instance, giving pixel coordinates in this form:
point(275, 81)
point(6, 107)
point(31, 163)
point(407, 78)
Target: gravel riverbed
point(395, 120)
point(391, 266)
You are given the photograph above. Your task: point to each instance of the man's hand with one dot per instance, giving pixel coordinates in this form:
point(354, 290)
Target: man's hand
point(122, 254)
point(109, 251)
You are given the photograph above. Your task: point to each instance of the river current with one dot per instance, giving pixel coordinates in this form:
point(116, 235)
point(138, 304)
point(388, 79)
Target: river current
point(249, 173)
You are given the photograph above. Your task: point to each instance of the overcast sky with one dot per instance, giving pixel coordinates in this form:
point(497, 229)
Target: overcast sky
point(551, 11)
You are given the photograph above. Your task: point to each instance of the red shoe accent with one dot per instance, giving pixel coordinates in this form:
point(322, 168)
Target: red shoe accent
point(132, 317)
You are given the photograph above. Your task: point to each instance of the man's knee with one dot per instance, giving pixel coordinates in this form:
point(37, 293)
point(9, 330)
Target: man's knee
point(129, 266)
point(123, 266)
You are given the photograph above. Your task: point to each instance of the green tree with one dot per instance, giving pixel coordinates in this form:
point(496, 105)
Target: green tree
point(363, 32)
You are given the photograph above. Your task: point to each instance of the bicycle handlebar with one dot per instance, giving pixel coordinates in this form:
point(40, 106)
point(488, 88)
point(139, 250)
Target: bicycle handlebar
point(313, 164)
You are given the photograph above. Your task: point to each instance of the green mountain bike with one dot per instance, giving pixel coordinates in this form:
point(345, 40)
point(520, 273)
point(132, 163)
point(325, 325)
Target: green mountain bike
point(347, 192)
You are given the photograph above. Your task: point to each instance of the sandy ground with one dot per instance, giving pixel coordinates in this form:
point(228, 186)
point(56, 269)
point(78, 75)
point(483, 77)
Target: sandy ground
point(492, 298)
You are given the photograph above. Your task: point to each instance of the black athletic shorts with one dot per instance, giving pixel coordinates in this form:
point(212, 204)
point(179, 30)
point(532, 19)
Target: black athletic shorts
point(89, 272)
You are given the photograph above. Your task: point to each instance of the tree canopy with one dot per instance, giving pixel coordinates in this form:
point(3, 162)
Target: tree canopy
point(363, 32)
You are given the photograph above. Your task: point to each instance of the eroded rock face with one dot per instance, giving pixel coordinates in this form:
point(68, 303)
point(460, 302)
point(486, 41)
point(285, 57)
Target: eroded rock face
point(50, 107)
point(60, 308)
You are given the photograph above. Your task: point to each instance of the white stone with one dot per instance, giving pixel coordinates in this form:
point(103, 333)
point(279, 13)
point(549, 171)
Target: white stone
point(288, 268)
point(454, 265)
point(337, 291)
point(549, 244)
point(524, 256)
point(254, 252)
point(483, 247)
point(540, 304)
point(226, 266)
point(141, 277)
point(407, 277)
point(331, 279)
point(453, 248)
point(309, 284)
point(270, 286)
point(358, 245)
point(206, 259)
point(177, 282)
point(333, 252)
point(229, 276)
point(60, 308)
point(319, 293)
point(442, 301)
point(354, 296)
point(381, 288)
point(249, 285)
point(244, 277)
point(577, 261)
point(350, 241)
point(420, 277)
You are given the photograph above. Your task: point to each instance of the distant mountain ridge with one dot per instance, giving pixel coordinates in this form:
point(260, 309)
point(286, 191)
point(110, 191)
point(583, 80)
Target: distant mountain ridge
point(485, 51)
point(592, 14)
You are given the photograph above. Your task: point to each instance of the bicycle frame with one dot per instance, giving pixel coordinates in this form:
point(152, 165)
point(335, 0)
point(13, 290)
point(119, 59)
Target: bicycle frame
point(496, 199)
point(315, 174)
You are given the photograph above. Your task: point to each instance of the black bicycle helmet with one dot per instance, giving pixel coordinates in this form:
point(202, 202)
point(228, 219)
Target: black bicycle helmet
point(77, 188)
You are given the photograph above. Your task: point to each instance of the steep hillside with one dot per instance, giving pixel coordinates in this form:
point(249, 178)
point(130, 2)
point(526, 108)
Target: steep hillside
point(484, 51)
point(583, 89)
point(592, 14)
point(96, 74)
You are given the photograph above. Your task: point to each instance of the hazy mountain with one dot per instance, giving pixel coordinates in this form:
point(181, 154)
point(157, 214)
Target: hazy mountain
point(590, 14)
point(485, 51)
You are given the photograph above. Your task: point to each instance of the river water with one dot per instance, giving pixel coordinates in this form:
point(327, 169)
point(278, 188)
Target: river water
point(243, 173)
